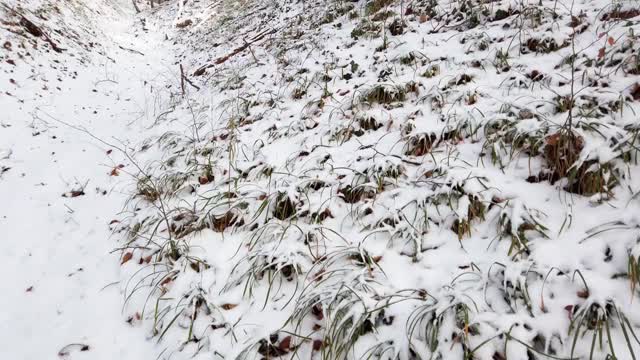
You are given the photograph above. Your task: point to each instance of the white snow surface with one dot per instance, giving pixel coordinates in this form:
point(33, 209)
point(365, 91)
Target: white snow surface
point(320, 183)
point(60, 282)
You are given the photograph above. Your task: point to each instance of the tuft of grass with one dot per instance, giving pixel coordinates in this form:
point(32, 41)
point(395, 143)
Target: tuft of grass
point(519, 223)
point(383, 15)
point(420, 144)
point(545, 45)
point(598, 318)
point(476, 210)
point(369, 123)
point(384, 94)
point(504, 141)
point(562, 153)
point(432, 71)
point(439, 321)
point(284, 207)
point(365, 29)
point(147, 190)
point(355, 194)
point(373, 6)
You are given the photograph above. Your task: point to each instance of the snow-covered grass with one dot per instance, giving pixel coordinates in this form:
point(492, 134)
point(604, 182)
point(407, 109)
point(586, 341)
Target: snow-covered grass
point(381, 179)
point(397, 179)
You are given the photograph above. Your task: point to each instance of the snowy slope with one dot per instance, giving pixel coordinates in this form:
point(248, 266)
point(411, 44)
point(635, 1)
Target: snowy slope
point(382, 179)
point(412, 180)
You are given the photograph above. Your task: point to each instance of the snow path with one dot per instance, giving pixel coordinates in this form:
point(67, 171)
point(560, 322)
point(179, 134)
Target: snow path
point(55, 259)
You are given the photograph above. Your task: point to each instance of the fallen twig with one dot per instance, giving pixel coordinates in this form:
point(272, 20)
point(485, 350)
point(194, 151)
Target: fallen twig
point(222, 59)
point(184, 78)
point(35, 30)
point(131, 50)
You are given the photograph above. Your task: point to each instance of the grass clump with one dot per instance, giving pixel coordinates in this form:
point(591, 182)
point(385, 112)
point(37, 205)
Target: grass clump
point(365, 29)
point(432, 71)
point(562, 156)
point(383, 15)
point(599, 318)
point(369, 123)
point(420, 144)
point(284, 207)
point(438, 321)
point(147, 190)
point(543, 46)
point(384, 94)
point(504, 141)
point(374, 6)
point(475, 210)
point(354, 194)
point(520, 224)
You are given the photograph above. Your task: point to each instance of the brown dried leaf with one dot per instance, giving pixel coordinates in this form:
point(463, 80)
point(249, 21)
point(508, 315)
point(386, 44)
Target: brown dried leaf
point(126, 257)
point(73, 193)
point(569, 309)
point(553, 139)
point(316, 310)
point(285, 344)
point(317, 345)
point(635, 92)
point(228, 306)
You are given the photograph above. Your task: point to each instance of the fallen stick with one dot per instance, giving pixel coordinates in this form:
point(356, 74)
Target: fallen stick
point(184, 78)
point(135, 6)
point(131, 50)
point(36, 31)
point(32, 28)
point(236, 51)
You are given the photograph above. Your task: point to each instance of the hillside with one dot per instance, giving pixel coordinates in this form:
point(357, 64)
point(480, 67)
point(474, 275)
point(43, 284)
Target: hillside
point(326, 179)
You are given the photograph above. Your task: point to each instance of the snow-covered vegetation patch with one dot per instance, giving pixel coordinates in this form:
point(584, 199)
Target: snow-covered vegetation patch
point(391, 180)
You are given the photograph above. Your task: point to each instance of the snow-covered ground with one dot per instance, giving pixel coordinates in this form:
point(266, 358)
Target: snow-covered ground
point(382, 179)
point(58, 271)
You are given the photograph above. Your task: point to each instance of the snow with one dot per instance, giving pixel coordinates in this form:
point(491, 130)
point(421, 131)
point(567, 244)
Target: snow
point(267, 204)
point(61, 278)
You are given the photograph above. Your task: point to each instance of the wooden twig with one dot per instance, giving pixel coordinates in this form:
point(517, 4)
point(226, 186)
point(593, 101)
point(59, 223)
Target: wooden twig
point(238, 50)
point(36, 31)
point(131, 50)
point(32, 28)
point(183, 78)
point(135, 6)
